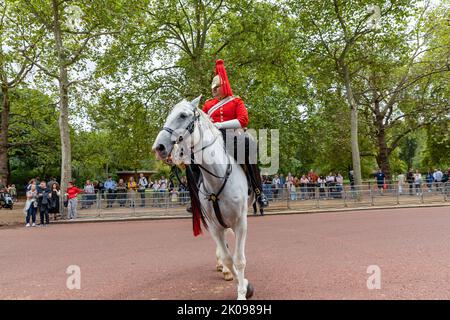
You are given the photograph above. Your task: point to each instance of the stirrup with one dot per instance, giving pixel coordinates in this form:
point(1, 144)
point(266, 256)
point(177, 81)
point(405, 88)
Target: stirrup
point(189, 209)
point(262, 200)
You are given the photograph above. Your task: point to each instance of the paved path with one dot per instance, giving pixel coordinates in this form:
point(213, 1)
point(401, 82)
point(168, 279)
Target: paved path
point(307, 256)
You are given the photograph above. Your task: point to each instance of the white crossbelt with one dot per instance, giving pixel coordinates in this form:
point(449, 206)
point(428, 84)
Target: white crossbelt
point(220, 104)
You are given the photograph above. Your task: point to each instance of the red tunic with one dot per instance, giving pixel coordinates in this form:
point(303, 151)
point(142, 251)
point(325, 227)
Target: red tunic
point(234, 109)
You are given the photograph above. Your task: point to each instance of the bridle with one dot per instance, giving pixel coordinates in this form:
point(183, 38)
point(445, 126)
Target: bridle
point(190, 128)
point(188, 131)
point(210, 196)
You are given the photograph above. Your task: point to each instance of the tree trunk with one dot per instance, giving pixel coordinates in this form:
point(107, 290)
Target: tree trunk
point(4, 165)
point(356, 159)
point(383, 151)
point(66, 153)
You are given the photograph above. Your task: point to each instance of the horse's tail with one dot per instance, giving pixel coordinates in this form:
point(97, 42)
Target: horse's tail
point(197, 210)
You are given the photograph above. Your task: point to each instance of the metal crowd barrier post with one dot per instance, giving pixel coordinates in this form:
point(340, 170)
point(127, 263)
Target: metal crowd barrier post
point(371, 196)
point(98, 204)
point(317, 197)
point(397, 195)
point(344, 196)
point(288, 199)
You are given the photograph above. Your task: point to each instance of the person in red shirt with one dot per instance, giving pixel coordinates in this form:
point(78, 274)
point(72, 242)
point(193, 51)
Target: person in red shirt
point(228, 113)
point(72, 193)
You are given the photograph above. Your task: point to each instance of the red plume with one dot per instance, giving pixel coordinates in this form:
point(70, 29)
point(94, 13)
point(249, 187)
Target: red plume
point(220, 70)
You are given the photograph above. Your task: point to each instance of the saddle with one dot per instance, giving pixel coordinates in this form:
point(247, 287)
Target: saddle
point(243, 147)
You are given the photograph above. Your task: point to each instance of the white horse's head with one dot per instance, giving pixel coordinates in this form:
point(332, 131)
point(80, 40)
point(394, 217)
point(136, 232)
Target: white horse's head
point(179, 125)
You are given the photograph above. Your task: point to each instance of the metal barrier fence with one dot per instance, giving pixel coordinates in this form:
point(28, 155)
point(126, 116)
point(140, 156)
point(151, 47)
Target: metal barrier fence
point(304, 198)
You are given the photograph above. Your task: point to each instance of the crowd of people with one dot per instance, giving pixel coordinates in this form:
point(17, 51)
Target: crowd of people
point(415, 182)
point(9, 189)
point(304, 186)
point(44, 197)
point(331, 186)
point(160, 191)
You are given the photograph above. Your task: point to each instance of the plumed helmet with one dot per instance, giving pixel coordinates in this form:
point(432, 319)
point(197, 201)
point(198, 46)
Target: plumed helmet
point(222, 78)
point(215, 82)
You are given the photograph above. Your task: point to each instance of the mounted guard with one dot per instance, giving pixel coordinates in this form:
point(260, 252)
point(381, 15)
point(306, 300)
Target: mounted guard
point(230, 116)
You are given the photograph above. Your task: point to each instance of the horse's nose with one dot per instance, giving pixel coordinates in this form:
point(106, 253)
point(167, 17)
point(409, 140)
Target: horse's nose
point(160, 147)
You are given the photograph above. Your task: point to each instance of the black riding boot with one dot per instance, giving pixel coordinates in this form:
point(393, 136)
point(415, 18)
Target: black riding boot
point(255, 178)
point(196, 174)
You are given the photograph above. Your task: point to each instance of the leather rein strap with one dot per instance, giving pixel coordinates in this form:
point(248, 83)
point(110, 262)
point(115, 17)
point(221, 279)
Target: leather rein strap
point(210, 196)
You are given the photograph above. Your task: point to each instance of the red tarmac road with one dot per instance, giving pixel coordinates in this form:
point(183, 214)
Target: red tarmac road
point(305, 256)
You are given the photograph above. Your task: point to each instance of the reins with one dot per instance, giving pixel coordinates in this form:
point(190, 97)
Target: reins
point(210, 196)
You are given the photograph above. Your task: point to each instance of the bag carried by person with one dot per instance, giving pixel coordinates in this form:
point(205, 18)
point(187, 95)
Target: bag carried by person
point(66, 201)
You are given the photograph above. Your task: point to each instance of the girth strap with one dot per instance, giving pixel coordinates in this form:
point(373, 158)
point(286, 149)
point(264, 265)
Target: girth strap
point(214, 198)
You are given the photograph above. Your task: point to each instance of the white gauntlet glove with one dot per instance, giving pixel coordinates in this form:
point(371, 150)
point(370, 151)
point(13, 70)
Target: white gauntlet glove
point(230, 124)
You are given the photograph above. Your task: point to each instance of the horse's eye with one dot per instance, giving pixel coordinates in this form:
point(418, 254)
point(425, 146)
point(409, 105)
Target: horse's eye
point(183, 116)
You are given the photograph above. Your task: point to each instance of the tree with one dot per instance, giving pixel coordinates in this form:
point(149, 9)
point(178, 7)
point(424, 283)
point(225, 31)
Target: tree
point(401, 84)
point(13, 70)
point(332, 35)
point(72, 28)
point(186, 37)
point(33, 136)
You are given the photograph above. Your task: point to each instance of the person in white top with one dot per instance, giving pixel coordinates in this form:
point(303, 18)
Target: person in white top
point(304, 186)
point(142, 185)
point(322, 181)
point(162, 183)
point(339, 182)
point(418, 182)
point(31, 206)
point(289, 181)
point(401, 182)
point(330, 178)
point(89, 195)
point(293, 191)
point(437, 176)
point(276, 183)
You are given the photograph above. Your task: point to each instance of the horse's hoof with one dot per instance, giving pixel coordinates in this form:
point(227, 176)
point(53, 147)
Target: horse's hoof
point(228, 276)
point(219, 268)
point(250, 291)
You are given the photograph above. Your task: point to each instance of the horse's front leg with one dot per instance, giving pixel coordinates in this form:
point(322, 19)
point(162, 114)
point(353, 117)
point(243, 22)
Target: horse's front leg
point(245, 290)
point(219, 264)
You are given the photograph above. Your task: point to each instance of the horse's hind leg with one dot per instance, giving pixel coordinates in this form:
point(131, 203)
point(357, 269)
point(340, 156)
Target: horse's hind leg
point(220, 267)
point(224, 254)
point(227, 275)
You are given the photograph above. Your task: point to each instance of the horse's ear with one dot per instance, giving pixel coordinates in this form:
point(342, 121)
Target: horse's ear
point(196, 101)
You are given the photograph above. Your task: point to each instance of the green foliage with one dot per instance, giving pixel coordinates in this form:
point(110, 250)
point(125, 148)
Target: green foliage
point(154, 53)
point(437, 150)
point(34, 137)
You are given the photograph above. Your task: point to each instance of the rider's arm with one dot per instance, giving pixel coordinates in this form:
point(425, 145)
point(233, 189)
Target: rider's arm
point(241, 113)
point(230, 124)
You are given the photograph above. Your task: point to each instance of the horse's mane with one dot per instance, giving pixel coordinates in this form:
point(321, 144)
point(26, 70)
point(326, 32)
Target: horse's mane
point(204, 117)
point(207, 121)
point(199, 215)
